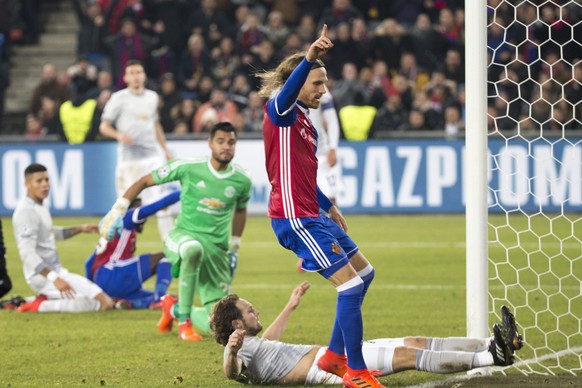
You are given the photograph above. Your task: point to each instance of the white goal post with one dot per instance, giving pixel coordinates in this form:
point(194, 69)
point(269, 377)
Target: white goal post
point(523, 176)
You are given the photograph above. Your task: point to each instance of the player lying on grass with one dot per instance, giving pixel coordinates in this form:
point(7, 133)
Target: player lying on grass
point(265, 360)
point(114, 267)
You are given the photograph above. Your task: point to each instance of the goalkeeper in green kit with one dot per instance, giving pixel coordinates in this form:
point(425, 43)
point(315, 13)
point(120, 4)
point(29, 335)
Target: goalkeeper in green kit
point(204, 242)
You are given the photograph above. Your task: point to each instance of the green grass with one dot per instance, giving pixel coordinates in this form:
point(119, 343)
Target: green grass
point(419, 289)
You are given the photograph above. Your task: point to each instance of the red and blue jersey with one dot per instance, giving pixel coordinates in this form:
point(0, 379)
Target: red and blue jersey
point(290, 144)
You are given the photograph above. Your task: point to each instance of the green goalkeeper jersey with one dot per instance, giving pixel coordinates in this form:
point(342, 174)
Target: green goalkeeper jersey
point(208, 197)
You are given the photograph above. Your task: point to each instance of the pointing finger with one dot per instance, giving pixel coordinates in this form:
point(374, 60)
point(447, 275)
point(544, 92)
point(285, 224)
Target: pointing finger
point(324, 31)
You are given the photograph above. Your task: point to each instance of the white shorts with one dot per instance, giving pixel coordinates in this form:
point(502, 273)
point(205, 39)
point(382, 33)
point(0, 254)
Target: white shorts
point(317, 376)
point(83, 287)
point(128, 172)
point(329, 179)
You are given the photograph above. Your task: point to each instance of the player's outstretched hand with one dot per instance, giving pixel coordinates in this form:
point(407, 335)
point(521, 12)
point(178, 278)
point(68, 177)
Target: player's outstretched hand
point(297, 293)
point(112, 223)
point(319, 48)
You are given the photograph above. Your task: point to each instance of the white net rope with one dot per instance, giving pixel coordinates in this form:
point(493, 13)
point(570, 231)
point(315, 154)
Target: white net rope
point(535, 189)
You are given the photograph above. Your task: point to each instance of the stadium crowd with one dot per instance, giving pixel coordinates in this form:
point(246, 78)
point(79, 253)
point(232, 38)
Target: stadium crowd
point(397, 66)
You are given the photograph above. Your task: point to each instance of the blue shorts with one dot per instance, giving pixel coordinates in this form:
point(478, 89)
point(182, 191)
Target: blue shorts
point(320, 242)
point(124, 278)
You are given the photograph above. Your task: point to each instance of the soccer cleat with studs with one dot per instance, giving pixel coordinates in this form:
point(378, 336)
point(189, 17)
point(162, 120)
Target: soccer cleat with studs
point(13, 303)
point(500, 349)
point(186, 332)
point(509, 329)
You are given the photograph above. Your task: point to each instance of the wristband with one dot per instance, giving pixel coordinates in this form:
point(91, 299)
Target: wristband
point(52, 276)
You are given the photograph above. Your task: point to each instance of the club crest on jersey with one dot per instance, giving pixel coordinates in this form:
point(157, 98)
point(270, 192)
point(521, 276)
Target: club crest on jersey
point(163, 171)
point(213, 203)
point(335, 248)
point(229, 192)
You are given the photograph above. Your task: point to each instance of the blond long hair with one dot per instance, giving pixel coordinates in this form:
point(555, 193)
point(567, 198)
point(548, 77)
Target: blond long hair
point(274, 79)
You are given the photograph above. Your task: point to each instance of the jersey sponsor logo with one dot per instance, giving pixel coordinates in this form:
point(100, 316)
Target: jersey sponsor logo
point(213, 203)
point(335, 248)
point(229, 192)
point(201, 184)
point(163, 171)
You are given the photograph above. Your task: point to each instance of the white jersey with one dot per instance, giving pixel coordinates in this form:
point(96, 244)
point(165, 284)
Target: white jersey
point(267, 361)
point(33, 230)
point(134, 115)
point(326, 123)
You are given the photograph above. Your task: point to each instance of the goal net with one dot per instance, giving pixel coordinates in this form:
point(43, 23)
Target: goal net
point(534, 110)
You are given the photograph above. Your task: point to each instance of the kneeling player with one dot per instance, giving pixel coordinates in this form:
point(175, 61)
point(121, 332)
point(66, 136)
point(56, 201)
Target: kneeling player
point(116, 269)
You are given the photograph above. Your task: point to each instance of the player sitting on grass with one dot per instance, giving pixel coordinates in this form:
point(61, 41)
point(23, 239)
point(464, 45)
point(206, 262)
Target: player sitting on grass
point(265, 360)
point(115, 268)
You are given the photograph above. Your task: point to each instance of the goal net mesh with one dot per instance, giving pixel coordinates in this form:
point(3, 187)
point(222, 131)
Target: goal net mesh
point(535, 177)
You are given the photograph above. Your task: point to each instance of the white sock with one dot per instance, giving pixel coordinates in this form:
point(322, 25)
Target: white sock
point(461, 344)
point(484, 358)
point(77, 305)
point(443, 362)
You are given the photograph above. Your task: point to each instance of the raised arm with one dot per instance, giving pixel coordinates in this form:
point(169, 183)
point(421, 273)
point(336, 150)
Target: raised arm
point(276, 329)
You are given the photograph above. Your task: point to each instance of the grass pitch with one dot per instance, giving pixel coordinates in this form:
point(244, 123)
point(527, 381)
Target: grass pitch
point(419, 289)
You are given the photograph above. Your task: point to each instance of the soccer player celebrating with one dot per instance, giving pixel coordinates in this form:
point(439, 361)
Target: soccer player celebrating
point(214, 198)
point(293, 88)
point(249, 358)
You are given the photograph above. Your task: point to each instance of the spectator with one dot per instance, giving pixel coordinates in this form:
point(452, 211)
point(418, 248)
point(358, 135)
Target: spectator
point(356, 118)
point(346, 50)
point(194, 64)
point(406, 11)
point(170, 100)
point(402, 86)
point(239, 91)
point(390, 118)
point(48, 87)
point(306, 28)
point(454, 69)
point(411, 71)
point(249, 34)
point(263, 58)
point(128, 44)
point(168, 19)
point(83, 74)
point(375, 94)
point(104, 82)
point(341, 11)
point(92, 31)
point(433, 119)
point(210, 22)
point(184, 117)
point(389, 42)
point(453, 122)
point(225, 62)
point(218, 109)
point(34, 127)
point(78, 119)
point(428, 46)
point(347, 87)
point(276, 30)
point(4, 83)
point(254, 113)
point(415, 121)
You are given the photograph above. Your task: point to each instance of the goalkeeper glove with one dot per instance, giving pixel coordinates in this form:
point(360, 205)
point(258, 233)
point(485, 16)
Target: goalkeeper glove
point(112, 224)
point(233, 261)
